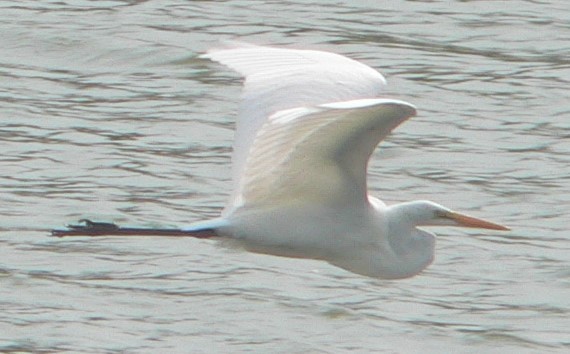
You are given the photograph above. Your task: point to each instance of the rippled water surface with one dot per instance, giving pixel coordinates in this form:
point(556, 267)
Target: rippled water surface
point(106, 112)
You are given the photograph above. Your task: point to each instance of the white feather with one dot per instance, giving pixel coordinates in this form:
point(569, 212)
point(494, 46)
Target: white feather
point(318, 154)
point(280, 79)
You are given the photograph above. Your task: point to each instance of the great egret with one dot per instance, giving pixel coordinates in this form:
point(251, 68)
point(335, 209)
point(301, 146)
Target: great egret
point(308, 123)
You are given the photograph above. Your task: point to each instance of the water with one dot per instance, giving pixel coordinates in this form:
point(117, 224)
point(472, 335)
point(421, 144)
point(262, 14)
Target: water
point(107, 113)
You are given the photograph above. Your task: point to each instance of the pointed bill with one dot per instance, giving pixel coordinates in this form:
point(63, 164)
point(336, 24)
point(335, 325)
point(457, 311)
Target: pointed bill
point(469, 221)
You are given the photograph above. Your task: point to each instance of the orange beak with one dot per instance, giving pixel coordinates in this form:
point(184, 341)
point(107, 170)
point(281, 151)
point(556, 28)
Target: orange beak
point(469, 221)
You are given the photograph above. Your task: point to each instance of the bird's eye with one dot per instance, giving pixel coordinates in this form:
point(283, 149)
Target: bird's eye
point(441, 214)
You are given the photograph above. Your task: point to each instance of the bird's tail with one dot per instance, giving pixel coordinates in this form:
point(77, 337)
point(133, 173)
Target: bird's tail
point(212, 224)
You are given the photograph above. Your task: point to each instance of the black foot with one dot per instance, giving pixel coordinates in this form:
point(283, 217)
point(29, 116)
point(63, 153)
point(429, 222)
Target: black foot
point(86, 227)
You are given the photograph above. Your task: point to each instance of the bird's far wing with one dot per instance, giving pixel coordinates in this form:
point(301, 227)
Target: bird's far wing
point(249, 59)
point(279, 79)
point(318, 154)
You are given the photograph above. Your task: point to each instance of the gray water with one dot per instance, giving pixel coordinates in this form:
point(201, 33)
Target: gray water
point(107, 113)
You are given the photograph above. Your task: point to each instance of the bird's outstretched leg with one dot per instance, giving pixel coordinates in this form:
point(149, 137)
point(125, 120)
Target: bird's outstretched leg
point(90, 228)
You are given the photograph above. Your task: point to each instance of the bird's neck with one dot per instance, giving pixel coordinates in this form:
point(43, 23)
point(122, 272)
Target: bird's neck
point(404, 237)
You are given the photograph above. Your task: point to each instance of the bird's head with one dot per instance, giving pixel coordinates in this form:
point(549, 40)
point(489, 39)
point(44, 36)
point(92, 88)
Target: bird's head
point(427, 213)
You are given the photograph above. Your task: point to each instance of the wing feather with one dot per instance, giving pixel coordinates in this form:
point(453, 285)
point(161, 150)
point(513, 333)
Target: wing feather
point(280, 79)
point(318, 154)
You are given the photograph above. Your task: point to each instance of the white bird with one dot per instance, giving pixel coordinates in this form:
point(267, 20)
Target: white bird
point(307, 125)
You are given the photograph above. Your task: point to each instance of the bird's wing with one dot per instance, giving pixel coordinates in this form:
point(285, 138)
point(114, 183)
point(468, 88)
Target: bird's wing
point(318, 154)
point(279, 79)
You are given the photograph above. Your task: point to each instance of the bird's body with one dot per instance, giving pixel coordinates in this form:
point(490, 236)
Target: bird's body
point(358, 239)
point(308, 123)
